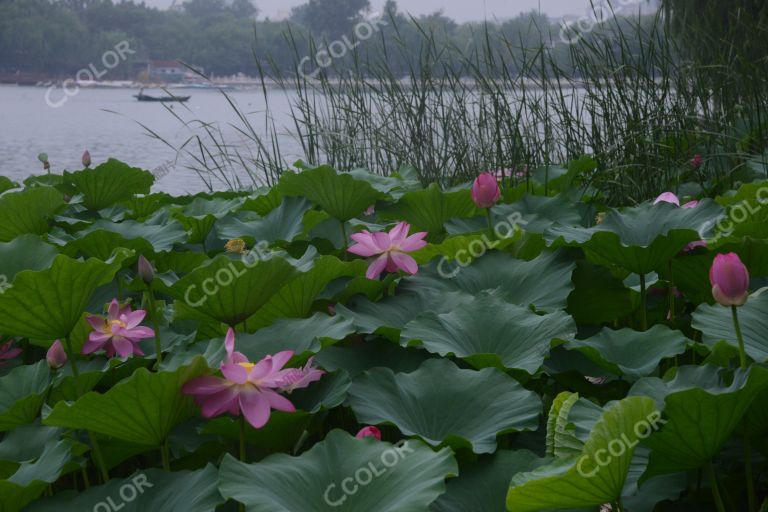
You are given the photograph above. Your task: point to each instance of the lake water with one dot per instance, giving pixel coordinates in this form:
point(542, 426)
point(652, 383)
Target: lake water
point(108, 122)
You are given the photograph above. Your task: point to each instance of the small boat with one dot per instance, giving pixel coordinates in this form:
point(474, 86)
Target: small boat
point(145, 97)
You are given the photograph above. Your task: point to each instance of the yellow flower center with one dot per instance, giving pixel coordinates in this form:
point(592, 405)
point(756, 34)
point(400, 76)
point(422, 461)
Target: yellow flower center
point(247, 366)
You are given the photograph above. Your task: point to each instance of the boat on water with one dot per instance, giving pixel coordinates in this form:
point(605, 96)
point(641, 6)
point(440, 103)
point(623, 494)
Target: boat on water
point(146, 97)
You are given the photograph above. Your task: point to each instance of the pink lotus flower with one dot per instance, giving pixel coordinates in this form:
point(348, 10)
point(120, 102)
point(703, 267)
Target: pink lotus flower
point(390, 247)
point(247, 387)
point(56, 355)
point(670, 197)
point(7, 353)
point(118, 333)
point(369, 432)
point(370, 211)
point(86, 159)
point(485, 190)
point(730, 280)
point(696, 161)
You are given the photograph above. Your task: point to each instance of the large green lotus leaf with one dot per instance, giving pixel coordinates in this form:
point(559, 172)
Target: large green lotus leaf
point(407, 478)
point(701, 412)
point(150, 489)
point(109, 183)
point(640, 239)
point(33, 477)
point(100, 244)
point(199, 216)
point(544, 282)
point(716, 324)
point(141, 409)
point(26, 252)
point(429, 209)
point(598, 297)
point(394, 185)
point(28, 211)
point(22, 393)
point(357, 358)
point(491, 332)
point(300, 335)
point(339, 194)
point(295, 300)
point(7, 184)
point(47, 304)
point(444, 404)
point(230, 290)
point(389, 316)
point(535, 214)
point(161, 237)
point(263, 200)
point(457, 252)
point(283, 223)
point(579, 481)
point(482, 485)
point(629, 353)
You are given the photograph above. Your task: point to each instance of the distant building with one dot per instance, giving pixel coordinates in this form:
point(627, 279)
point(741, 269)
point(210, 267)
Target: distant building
point(170, 71)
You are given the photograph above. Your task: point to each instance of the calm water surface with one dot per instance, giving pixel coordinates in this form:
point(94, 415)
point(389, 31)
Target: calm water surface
point(108, 122)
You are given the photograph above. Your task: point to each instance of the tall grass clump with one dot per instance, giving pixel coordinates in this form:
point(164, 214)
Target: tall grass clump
point(453, 106)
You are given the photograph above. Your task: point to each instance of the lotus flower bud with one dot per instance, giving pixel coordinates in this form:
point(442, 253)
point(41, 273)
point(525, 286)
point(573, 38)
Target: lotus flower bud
point(56, 355)
point(369, 432)
point(86, 159)
point(146, 272)
point(730, 280)
point(485, 190)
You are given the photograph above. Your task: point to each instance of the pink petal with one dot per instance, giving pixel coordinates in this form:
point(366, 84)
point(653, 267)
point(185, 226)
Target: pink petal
point(382, 241)
point(97, 322)
point(667, 197)
point(123, 347)
point(279, 402)
point(377, 267)
point(229, 344)
point(398, 233)
point(691, 204)
point(366, 244)
point(208, 385)
point(405, 262)
point(133, 319)
point(114, 310)
point(91, 346)
point(255, 407)
point(260, 370)
point(235, 373)
point(280, 359)
point(137, 333)
point(219, 403)
point(414, 242)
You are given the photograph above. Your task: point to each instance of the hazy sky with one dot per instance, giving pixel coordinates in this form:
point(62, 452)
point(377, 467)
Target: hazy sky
point(462, 10)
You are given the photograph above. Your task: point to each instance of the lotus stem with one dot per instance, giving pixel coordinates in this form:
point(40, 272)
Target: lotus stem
point(643, 304)
point(490, 224)
point(155, 325)
point(739, 337)
point(671, 296)
point(715, 488)
point(165, 453)
point(344, 241)
point(98, 460)
point(242, 449)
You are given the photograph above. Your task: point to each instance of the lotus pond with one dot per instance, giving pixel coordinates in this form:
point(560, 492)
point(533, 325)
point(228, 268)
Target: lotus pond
point(358, 343)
